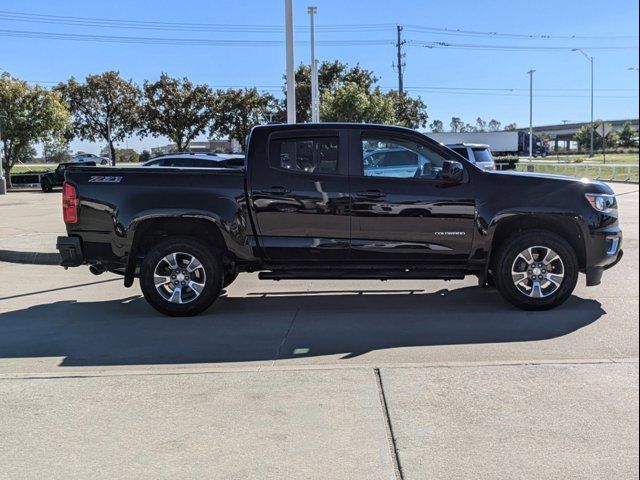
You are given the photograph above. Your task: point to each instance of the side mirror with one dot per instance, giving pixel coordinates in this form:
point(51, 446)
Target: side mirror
point(452, 172)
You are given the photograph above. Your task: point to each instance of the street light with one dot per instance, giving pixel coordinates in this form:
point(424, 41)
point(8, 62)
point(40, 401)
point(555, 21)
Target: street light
point(315, 114)
point(590, 58)
point(530, 72)
point(291, 78)
point(3, 182)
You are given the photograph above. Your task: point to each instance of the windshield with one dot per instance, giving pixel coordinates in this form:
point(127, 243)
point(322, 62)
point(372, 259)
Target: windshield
point(482, 155)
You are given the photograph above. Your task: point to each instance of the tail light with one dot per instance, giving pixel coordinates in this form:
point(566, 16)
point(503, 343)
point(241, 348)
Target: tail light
point(69, 203)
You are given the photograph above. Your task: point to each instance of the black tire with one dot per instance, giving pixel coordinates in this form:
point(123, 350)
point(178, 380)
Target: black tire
point(211, 274)
point(46, 185)
point(509, 252)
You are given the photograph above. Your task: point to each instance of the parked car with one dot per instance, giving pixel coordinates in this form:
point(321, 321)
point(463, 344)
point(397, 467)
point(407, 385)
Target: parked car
point(196, 160)
point(306, 206)
point(55, 178)
point(476, 153)
point(90, 157)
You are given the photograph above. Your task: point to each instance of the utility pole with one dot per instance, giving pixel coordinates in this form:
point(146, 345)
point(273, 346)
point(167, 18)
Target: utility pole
point(590, 58)
point(530, 72)
point(3, 182)
point(291, 77)
point(401, 64)
point(315, 103)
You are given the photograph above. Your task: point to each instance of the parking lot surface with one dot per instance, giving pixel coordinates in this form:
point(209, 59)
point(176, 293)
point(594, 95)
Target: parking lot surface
point(314, 379)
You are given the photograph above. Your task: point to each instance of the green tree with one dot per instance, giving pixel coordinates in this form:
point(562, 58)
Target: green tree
point(127, 155)
point(456, 125)
point(236, 111)
point(437, 126)
point(56, 150)
point(104, 107)
point(28, 115)
point(409, 112)
point(628, 136)
point(176, 109)
point(481, 125)
point(353, 103)
point(494, 125)
point(145, 156)
point(331, 76)
point(583, 137)
point(512, 127)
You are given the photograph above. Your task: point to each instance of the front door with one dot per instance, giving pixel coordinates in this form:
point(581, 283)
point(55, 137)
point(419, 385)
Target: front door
point(300, 196)
point(402, 212)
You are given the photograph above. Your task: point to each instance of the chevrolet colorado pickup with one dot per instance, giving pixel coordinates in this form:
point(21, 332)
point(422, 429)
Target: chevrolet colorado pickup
point(327, 201)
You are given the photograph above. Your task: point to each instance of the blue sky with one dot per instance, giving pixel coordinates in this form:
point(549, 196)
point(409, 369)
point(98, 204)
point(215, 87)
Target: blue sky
point(465, 82)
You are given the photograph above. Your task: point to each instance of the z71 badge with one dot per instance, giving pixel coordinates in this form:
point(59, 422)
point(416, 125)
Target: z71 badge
point(104, 179)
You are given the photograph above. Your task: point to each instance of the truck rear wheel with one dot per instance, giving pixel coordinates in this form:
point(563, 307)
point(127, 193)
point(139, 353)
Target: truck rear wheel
point(536, 270)
point(181, 277)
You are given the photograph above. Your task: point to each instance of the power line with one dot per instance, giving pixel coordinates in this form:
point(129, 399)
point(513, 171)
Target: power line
point(179, 41)
point(540, 48)
point(478, 91)
point(176, 26)
point(526, 36)
point(212, 27)
point(277, 43)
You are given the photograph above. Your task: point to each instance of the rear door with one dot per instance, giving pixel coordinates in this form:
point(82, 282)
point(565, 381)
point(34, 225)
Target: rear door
point(407, 215)
point(299, 195)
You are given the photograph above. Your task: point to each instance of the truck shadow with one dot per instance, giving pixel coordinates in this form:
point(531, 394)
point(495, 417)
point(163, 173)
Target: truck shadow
point(262, 327)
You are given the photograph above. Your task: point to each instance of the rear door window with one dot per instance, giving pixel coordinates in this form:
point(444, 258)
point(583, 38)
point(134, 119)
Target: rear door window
point(305, 155)
point(462, 151)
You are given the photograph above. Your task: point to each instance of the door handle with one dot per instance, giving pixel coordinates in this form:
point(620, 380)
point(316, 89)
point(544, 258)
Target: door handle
point(275, 191)
point(372, 194)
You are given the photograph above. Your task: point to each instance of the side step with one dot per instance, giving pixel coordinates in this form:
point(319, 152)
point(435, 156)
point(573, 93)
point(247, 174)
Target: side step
point(341, 274)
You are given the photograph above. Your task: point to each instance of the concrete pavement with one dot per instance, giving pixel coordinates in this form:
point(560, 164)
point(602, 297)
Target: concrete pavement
point(402, 379)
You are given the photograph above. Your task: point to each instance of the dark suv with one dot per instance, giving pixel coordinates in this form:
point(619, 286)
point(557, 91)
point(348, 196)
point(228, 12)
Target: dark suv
point(55, 178)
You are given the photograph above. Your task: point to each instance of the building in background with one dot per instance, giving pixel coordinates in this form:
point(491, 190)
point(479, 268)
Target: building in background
point(216, 146)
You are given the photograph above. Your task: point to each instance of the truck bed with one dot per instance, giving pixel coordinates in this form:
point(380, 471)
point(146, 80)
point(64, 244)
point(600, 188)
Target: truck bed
point(114, 200)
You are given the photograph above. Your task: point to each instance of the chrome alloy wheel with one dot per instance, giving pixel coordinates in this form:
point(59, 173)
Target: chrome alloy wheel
point(537, 272)
point(179, 277)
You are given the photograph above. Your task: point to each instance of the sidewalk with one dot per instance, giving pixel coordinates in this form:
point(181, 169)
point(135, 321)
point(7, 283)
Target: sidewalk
point(30, 223)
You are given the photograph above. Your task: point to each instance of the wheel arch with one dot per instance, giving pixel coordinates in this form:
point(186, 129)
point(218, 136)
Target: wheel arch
point(148, 232)
point(564, 225)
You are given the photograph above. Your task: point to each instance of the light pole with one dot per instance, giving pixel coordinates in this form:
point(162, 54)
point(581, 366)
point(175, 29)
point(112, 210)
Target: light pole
point(3, 182)
point(315, 114)
point(530, 72)
point(291, 78)
point(590, 58)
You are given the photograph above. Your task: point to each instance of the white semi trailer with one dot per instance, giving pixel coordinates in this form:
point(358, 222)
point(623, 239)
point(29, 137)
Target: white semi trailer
point(501, 143)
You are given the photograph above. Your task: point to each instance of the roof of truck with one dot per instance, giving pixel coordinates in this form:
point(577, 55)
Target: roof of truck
point(470, 145)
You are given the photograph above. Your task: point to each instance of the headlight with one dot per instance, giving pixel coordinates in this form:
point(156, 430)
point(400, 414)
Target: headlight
point(603, 202)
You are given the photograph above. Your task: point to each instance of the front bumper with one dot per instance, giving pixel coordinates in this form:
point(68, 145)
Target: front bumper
point(70, 249)
point(604, 252)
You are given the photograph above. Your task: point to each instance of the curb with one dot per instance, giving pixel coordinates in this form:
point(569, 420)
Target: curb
point(30, 258)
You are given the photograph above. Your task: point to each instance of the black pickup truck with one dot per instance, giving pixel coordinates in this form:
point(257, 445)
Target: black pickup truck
point(328, 201)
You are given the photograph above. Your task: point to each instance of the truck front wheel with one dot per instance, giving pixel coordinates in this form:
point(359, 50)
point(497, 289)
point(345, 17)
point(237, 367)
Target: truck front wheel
point(536, 270)
point(181, 277)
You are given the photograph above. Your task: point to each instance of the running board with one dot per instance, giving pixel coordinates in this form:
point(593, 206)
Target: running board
point(362, 274)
